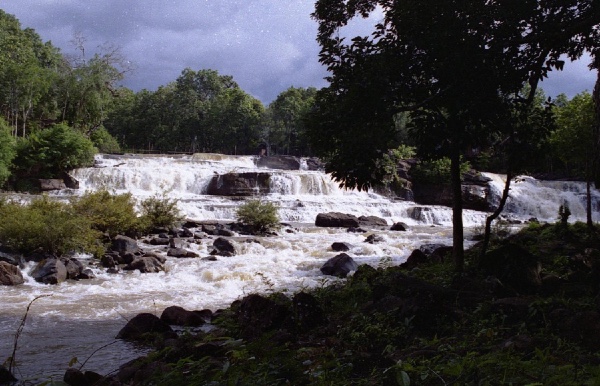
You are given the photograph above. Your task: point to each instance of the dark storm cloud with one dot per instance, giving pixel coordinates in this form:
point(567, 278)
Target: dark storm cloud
point(266, 45)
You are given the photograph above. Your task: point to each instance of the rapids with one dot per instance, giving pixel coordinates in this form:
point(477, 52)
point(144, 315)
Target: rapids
point(77, 318)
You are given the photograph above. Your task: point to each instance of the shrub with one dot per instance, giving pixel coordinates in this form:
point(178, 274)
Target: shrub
point(258, 215)
point(159, 211)
point(49, 152)
point(104, 142)
point(46, 225)
point(108, 213)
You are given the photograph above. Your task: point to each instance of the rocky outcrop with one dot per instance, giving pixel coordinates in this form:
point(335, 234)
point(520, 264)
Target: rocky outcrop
point(10, 274)
point(223, 247)
point(239, 184)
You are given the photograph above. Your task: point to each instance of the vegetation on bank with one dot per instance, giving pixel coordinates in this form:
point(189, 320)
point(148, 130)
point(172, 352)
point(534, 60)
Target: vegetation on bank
point(399, 326)
point(84, 224)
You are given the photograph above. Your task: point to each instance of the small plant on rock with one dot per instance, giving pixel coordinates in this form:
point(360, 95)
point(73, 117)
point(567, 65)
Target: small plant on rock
point(159, 211)
point(259, 216)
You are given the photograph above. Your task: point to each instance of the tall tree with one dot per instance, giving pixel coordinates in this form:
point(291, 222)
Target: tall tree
point(455, 65)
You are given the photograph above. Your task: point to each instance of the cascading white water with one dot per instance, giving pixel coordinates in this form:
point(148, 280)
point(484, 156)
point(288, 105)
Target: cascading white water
point(80, 317)
point(530, 197)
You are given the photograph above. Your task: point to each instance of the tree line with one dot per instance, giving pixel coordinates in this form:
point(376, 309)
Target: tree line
point(58, 110)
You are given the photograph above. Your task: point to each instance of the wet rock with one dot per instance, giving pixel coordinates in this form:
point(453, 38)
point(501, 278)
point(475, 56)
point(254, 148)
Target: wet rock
point(50, 271)
point(51, 184)
point(159, 241)
point(372, 221)
point(373, 238)
point(124, 244)
point(339, 265)
point(341, 247)
point(181, 253)
point(10, 274)
point(416, 258)
point(74, 377)
point(179, 316)
point(145, 264)
point(74, 268)
point(143, 325)
point(337, 220)
point(399, 226)
point(356, 230)
point(11, 258)
point(224, 246)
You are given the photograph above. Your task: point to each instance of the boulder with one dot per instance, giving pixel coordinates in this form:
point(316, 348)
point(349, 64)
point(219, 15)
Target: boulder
point(224, 246)
point(75, 377)
point(179, 316)
point(69, 181)
point(159, 241)
point(143, 325)
point(239, 184)
point(74, 267)
point(145, 264)
point(399, 226)
point(124, 244)
point(373, 238)
point(341, 247)
point(416, 258)
point(10, 274)
point(372, 221)
point(337, 220)
point(50, 271)
point(181, 253)
point(51, 184)
point(339, 266)
point(11, 258)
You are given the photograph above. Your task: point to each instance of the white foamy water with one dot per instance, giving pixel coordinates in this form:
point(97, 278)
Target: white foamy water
point(79, 317)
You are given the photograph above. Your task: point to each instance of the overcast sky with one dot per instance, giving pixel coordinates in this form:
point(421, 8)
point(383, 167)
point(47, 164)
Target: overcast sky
point(266, 45)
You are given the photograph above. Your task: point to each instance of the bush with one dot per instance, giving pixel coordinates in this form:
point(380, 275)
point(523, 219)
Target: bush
point(258, 215)
point(159, 211)
point(104, 142)
point(7, 151)
point(48, 225)
point(108, 213)
point(47, 153)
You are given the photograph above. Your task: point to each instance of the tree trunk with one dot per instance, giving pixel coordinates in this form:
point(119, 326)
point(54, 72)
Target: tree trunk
point(489, 219)
point(458, 251)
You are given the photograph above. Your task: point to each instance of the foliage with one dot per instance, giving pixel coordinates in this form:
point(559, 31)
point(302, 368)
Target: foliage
point(104, 142)
point(46, 225)
point(572, 140)
point(260, 216)
point(51, 151)
point(436, 171)
point(7, 151)
point(159, 211)
point(108, 213)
